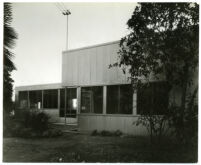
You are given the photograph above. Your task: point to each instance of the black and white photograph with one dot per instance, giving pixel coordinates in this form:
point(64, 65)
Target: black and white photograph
point(100, 82)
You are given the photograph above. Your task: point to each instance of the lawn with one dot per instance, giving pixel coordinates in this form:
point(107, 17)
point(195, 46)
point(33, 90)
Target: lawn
point(86, 148)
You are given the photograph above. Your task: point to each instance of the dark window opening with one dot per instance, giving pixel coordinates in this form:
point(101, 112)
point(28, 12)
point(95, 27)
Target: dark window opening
point(71, 103)
point(35, 99)
point(50, 98)
point(92, 99)
point(152, 99)
point(62, 103)
point(23, 99)
point(119, 99)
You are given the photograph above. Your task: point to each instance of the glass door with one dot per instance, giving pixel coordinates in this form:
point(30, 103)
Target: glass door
point(68, 104)
point(71, 103)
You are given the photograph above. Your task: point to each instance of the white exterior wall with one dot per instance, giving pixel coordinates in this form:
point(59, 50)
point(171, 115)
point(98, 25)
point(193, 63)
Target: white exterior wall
point(124, 123)
point(90, 66)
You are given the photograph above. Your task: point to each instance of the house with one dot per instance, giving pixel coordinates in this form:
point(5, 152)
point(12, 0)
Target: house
point(95, 96)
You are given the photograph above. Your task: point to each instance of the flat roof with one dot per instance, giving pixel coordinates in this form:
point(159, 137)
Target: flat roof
point(92, 46)
point(39, 87)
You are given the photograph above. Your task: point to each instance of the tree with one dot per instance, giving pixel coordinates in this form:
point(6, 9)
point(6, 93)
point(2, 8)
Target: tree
point(163, 40)
point(8, 66)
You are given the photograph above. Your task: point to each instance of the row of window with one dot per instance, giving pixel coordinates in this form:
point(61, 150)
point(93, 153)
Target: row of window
point(119, 99)
point(152, 98)
point(50, 99)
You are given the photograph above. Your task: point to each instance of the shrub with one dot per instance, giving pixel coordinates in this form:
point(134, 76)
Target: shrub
point(30, 124)
point(185, 126)
point(94, 133)
point(38, 121)
point(106, 133)
point(118, 133)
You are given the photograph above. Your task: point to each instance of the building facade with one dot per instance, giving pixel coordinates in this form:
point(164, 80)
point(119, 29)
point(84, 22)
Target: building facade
point(95, 96)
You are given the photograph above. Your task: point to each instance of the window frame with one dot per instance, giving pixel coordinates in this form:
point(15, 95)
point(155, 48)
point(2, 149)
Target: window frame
point(57, 103)
point(81, 112)
point(119, 100)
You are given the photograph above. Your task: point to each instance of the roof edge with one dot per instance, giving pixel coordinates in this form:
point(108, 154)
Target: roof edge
point(38, 86)
point(92, 46)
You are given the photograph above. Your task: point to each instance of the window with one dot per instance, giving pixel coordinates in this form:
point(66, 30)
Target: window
point(62, 103)
point(152, 99)
point(23, 99)
point(35, 98)
point(92, 99)
point(71, 102)
point(50, 98)
point(119, 99)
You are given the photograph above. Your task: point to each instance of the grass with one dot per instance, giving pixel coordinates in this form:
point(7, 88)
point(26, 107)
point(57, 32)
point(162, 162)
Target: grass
point(86, 148)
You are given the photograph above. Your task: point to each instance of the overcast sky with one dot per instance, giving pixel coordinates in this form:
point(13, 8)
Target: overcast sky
point(42, 35)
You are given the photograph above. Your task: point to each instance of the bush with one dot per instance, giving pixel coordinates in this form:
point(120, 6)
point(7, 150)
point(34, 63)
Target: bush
point(30, 124)
point(118, 133)
point(106, 133)
point(185, 126)
point(94, 133)
point(38, 121)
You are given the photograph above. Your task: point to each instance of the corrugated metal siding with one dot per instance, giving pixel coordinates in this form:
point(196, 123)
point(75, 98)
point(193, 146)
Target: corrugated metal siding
point(111, 123)
point(90, 66)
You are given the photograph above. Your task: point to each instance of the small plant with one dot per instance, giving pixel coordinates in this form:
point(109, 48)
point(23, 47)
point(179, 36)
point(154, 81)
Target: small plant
point(185, 126)
point(94, 133)
point(118, 133)
point(29, 124)
point(156, 125)
point(106, 133)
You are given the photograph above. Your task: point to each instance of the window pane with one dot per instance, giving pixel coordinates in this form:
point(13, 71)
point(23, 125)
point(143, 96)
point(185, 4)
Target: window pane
point(144, 100)
point(71, 101)
point(161, 99)
point(23, 99)
point(35, 99)
point(62, 102)
point(112, 99)
point(119, 99)
point(126, 99)
point(50, 99)
point(92, 99)
point(152, 99)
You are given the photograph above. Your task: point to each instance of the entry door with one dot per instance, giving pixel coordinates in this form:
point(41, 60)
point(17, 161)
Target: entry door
point(71, 102)
point(68, 104)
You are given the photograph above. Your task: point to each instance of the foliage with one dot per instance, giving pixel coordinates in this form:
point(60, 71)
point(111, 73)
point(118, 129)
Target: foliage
point(162, 44)
point(106, 133)
point(163, 39)
point(8, 66)
point(30, 124)
point(156, 125)
point(187, 131)
point(39, 122)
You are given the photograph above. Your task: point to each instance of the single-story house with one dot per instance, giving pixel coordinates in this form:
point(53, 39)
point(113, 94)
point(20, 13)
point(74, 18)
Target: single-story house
point(93, 95)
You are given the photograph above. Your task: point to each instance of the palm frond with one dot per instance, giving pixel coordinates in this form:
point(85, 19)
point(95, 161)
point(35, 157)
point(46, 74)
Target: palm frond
point(9, 36)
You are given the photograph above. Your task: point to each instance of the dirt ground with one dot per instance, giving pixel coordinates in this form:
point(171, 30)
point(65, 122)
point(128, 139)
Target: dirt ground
point(86, 148)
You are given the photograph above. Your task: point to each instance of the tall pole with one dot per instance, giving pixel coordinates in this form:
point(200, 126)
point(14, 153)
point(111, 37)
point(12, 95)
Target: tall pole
point(67, 33)
point(67, 13)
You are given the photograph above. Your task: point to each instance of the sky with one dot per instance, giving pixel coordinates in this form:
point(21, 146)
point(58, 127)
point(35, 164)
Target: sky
point(41, 29)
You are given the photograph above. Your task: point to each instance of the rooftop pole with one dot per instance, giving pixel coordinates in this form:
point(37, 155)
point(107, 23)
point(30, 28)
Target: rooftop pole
point(67, 13)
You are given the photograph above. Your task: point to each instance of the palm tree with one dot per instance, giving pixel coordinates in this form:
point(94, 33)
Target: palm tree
point(8, 66)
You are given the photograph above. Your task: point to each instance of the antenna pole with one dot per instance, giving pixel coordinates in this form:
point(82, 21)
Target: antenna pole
point(67, 13)
point(67, 34)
